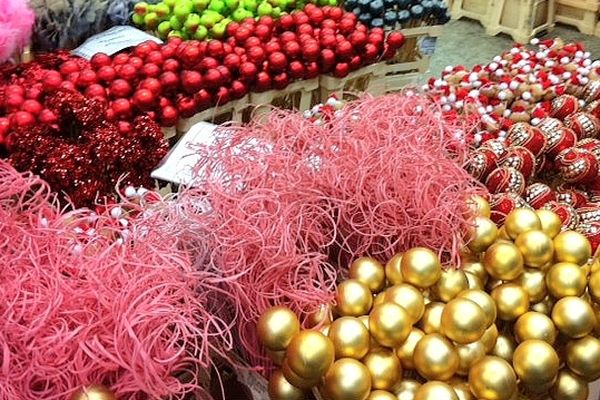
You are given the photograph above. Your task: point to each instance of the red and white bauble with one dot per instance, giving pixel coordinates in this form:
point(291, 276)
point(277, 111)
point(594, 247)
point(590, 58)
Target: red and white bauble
point(566, 213)
point(594, 108)
point(505, 180)
point(588, 214)
point(584, 124)
point(591, 91)
point(503, 203)
point(528, 136)
point(481, 162)
point(592, 232)
point(563, 106)
point(591, 145)
point(497, 146)
point(572, 195)
point(521, 159)
point(559, 137)
point(539, 194)
point(576, 165)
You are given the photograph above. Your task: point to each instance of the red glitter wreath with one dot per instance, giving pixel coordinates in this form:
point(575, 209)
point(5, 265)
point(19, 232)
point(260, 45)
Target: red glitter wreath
point(83, 156)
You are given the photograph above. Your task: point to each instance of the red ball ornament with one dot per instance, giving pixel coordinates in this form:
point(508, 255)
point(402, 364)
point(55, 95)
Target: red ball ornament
point(566, 213)
point(563, 106)
point(538, 194)
point(497, 146)
point(502, 204)
point(528, 136)
point(584, 124)
point(592, 145)
point(591, 91)
point(559, 137)
point(571, 195)
point(576, 165)
point(589, 214)
point(594, 108)
point(505, 179)
point(520, 159)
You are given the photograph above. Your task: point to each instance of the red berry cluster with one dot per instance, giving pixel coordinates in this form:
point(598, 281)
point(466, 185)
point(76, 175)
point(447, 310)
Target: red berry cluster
point(181, 78)
point(84, 156)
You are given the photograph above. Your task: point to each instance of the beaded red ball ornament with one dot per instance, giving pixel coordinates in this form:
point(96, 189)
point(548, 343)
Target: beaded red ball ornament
point(576, 165)
point(505, 179)
point(503, 203)
point(525, 135)
point(538, 194)
point(520, 159)
point(584, 124)
point(564, 105)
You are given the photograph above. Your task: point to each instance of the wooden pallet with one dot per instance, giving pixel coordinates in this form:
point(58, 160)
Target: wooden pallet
point(356, 81)
point(232, 111)
point(582, 14)
point(300, 95)
point(479, 10)
point(521, 19)
point(414, 37)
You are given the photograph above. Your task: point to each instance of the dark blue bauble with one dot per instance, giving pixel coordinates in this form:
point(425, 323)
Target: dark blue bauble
point(365, 18)
point(403, 16)
point(417, 11)
point(377, 8)
point(390, 18)
point(377, 23)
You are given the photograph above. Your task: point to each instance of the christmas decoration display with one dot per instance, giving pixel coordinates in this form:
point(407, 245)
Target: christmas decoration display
point(100, 297)
point(410, 329)
point(81, 154)
point(399, 13)
point(16, 23)
point(291, 200)
point(201, 19)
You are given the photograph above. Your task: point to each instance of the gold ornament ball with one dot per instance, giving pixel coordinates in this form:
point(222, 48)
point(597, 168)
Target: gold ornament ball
point(276, 327)
point(350, 337)
point(511, 300)
point(406, 389)
point(502, 235)
point(565, 279)
point(537, 248)
point(322, 315)
point(482, 235)
point(474, 281)
point(551, 223)
point(544, 306)
point(583, 357)
point(535, 389)
point(347, 379)
point(521, 220)
point(381, 395)
point(479, 206)
point(463, 391)
point(535, 362)
point(572, 247)
point(451, 283)
point(94, 392)
point(504, 261)
point(280, 389)
point(393, 272)
point(535, 325)
point(483, 300)
point(435, 357)
point(435, 390)
point(569, 386)
point(379, 298)
point(276, 356)
point(476, 268)
point(368, 271)
point(409, 298)
point(574, 317)
point(295, 379)
point(390, 324)
point(406, 350)
point(469, 354)
point(488, 340)
point(594, 286)
point(534, 282)
point(353, 298)
point(492, 378)
point(310, 354)
point(431, 322)
point(463, 321)
point(504, 347)
point(420, 267)
point(385, 369)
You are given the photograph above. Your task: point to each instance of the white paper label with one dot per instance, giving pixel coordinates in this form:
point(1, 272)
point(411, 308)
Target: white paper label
point(112, 41)
point(427, 45)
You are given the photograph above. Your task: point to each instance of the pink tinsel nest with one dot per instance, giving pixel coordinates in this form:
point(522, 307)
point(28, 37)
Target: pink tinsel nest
point(98, 298)
point(16, 24)
point(291, 203)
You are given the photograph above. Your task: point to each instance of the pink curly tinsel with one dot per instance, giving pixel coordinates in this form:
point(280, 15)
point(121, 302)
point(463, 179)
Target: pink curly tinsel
point(96, 298)
point(293, 202)
point(16, 24)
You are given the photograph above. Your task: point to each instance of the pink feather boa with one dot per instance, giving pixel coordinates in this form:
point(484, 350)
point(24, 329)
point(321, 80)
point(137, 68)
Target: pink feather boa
point(16, 24)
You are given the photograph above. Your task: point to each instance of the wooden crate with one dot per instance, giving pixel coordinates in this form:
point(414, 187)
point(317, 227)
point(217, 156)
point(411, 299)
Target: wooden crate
point(232, 111)
point(300, 95)
point(478, 10)
point(582, 14)
point(411, 50)
point(521, 19)
point(357, 81)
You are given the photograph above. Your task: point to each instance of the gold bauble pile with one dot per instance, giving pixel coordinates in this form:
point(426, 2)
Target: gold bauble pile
point(504, 347)
point(573, 316)
point(409, 298)
point(535, 362)
point(534, 282)
point(504, 261)
point(594, 286)
point(96, 392)
point(551, 223)
point(310, 354)
point(381, 395)
point(390, 324)
point(347, 379)
point(384, 367)
point(521, 220)
point(583, 357)
point(393, 273)
point(492, 378)
point(479, 206)
point(451, 283)
point(537, 248)
point(482, 235)
point(420, 267)
point(353, 298)
point(276, 328)
point(368, 271)
point(489, 337)
point(463, 321)
point(431, 322)
point(483, 300)
point(565, 279)
point(469, 354)
point(406, 389)
point(280, 389)
point(406, 350)
point(535, 325)
point(435, 357)
point(511, 300)
point(572, 247)
point(435, 390)
point(350, 337)
point(462, 390)
point(569, 386)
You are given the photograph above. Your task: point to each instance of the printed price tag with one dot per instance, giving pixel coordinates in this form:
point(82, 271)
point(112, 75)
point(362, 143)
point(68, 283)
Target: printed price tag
point(427, 45)
point(112, 41)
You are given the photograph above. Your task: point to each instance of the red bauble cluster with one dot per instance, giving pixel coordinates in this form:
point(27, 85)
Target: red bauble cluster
point(179, 79)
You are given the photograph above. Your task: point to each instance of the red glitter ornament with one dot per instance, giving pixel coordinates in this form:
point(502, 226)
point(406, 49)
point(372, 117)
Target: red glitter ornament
point(563, 106)
point(481, 162)
point(520, 159)
point(559, 137)
point(585, 125)
point(502, 204)
point(530, 137)
point(505, 179)
point(538, 194)
point(576, 165)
